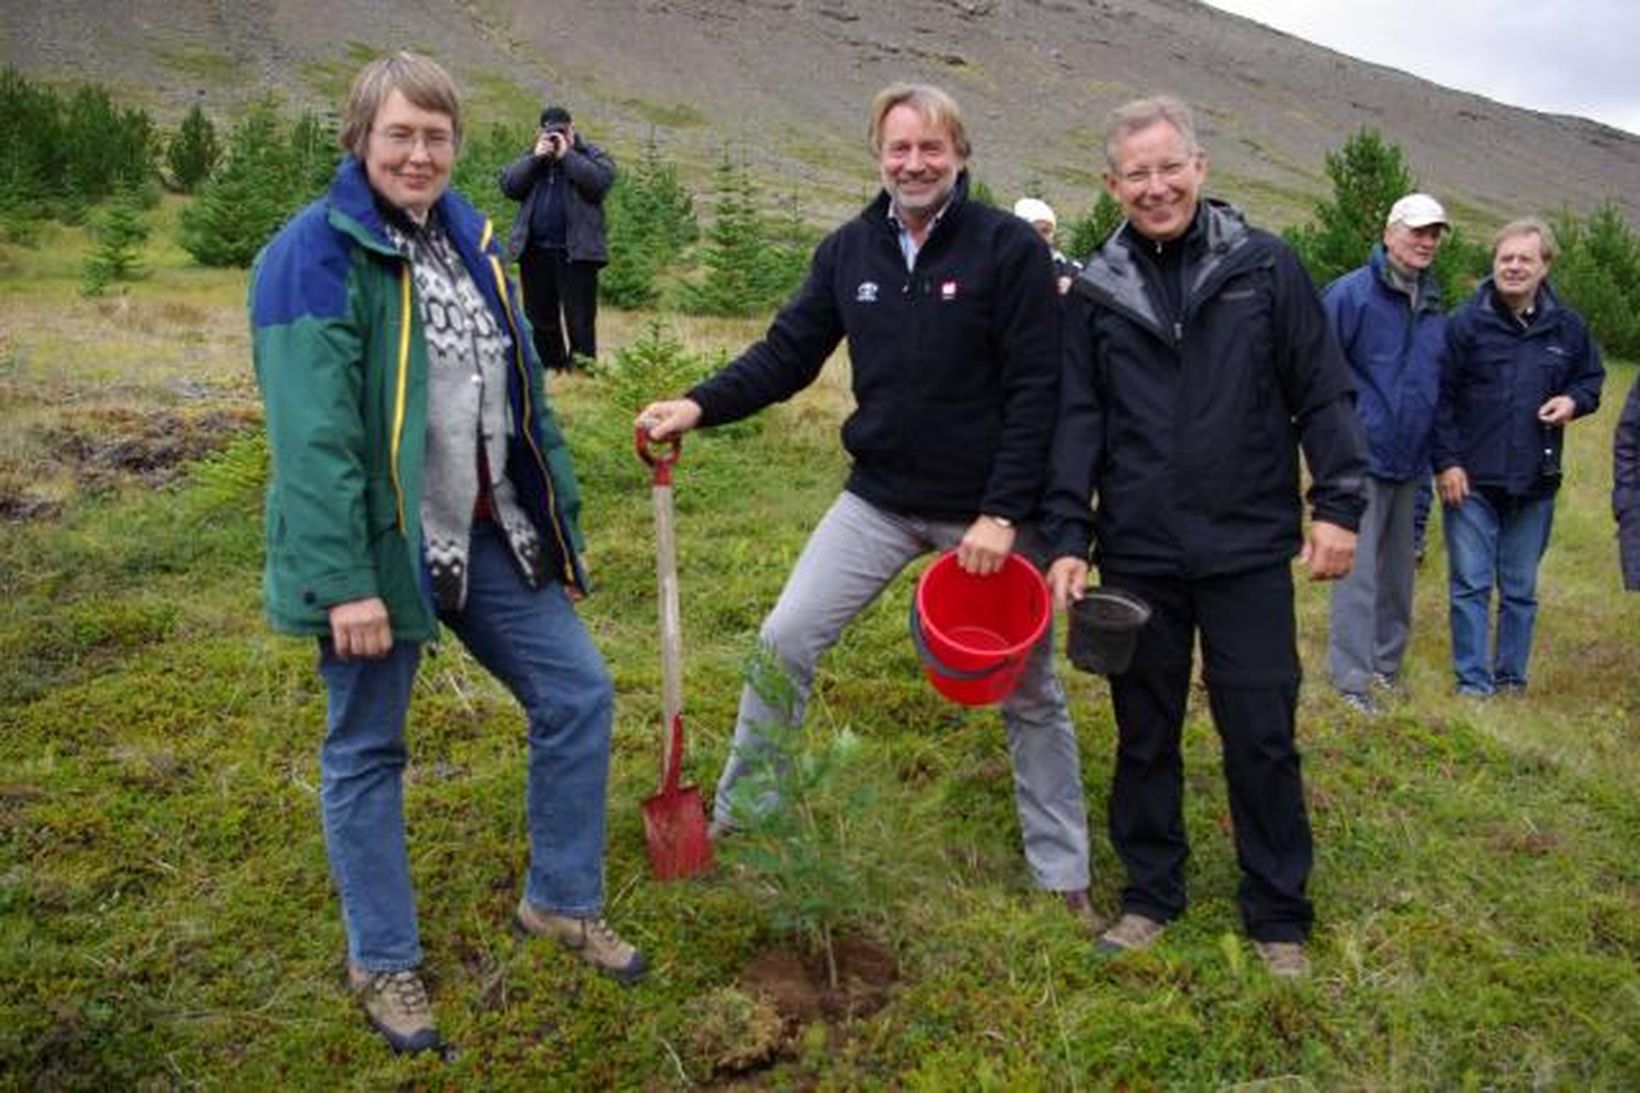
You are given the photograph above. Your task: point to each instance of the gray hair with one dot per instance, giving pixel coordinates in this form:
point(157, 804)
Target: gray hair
point(1527, 225)
point(1138, 114)
point(935, 107)
point(419, 79)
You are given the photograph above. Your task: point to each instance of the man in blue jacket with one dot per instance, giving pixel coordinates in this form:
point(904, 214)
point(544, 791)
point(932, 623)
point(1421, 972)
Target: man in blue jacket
point(1518, 365)
point(1197, 360)
point(1388, 319)
point(952, 321)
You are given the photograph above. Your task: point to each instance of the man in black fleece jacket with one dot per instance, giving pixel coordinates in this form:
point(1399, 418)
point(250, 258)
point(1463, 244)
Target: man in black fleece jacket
point(1197, 359)
point(952, 323)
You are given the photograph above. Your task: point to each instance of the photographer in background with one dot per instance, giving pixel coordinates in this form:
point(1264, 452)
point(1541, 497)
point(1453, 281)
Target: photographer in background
point(558, 237)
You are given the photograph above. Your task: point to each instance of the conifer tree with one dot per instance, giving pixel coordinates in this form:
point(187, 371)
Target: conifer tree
point(1089, 232)
point(785, 258)
point(733, 258)
point(312, 158)
point(247, 198)
point(193, 151)
point(1597, 272)
point(1368, 176)
point(120, 230)
point(651, 220)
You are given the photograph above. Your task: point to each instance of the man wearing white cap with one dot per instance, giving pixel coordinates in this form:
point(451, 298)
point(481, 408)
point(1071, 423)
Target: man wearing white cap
point(1039, 214)
point(1388, 318)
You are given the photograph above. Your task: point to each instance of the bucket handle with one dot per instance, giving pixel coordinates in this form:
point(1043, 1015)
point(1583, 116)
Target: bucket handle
point(936, 664)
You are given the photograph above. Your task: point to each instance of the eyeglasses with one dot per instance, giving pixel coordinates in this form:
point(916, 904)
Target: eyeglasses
point(1167, 172)
point(438, 142)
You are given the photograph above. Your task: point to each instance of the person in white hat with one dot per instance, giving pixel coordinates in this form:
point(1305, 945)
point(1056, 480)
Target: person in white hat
point(1039, 214)
point(1388, 317)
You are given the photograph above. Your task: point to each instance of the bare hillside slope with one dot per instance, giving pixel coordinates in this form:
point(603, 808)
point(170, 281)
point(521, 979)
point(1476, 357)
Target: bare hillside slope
point(787, 80)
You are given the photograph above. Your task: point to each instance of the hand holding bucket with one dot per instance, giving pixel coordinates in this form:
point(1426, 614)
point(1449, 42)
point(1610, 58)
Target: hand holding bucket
point(974, 633)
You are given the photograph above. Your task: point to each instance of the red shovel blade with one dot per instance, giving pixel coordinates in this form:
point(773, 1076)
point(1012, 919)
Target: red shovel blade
point(674, 825)
point(674, 821)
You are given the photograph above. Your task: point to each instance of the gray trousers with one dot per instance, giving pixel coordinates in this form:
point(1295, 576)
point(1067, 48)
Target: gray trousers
point(849, 559)
point(1372, 606)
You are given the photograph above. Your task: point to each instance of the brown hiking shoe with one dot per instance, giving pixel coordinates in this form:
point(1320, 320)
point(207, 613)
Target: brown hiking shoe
point(1285, 959)
point(395, 1003)
point(1131, 933)
point(1078, 903)
point(590, 938)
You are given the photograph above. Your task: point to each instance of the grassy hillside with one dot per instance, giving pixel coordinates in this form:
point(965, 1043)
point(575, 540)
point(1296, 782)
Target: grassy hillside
point(166, 919)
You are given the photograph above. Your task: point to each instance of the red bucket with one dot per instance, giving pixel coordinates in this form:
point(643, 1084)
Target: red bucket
point(975, 632)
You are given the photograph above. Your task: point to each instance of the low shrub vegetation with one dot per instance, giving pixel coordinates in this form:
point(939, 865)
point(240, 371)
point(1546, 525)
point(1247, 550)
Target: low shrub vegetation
point(166, 918)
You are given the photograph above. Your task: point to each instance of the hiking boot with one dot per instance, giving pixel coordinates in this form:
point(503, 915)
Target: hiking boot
point(1361, 702)
point(1387, 683)
point(395, 1003)
point(1284, 959)
point(1131, 933)
point(589, 938)
point(1080, 906)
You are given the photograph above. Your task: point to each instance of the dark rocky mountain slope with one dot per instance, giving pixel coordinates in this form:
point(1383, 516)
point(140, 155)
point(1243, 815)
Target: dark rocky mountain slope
point(787, 82)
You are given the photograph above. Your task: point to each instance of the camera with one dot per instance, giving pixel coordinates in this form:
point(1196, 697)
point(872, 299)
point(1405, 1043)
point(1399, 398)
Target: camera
point(552, 140)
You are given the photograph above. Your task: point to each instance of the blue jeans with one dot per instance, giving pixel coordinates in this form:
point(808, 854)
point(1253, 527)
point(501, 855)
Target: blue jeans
point(1494, 540)
point(533, 641)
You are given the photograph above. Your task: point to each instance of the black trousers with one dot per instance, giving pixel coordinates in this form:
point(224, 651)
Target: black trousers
point(561, 298)
point(1250, 657)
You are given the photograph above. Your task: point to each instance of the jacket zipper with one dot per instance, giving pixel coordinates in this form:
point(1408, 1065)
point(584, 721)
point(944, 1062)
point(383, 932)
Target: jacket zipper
point(528, 423)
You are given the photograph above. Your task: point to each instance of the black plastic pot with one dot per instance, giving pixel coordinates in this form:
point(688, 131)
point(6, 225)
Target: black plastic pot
point(1104, 628)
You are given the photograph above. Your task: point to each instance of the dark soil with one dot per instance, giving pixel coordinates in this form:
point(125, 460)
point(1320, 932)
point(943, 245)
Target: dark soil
point(103, 449)
point(151, 446)
point(800, 988)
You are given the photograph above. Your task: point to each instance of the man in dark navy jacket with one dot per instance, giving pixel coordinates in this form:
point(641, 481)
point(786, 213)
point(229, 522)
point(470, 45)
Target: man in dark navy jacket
point(1197, 359)
point(1518, 365)
point(952, 321)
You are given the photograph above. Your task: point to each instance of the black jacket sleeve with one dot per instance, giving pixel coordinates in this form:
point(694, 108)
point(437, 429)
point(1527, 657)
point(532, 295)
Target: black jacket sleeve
point(518, 176)
point(1079, 439)
point(1027, 332)
point(1626, 488)
point(590, 169)
point(791, 354)
point(1320, 396)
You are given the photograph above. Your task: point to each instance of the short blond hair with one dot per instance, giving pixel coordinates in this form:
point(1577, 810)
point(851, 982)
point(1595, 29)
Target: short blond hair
point(935, 107)
point(1131, 117)
point(1527, 225)
point(419, 79)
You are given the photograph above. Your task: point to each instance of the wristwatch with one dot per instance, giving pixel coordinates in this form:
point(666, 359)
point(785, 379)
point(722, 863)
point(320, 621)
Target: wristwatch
point(999, 521)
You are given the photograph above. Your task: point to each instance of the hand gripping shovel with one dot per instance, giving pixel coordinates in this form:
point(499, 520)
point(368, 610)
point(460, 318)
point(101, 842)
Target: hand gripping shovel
point(674, 821)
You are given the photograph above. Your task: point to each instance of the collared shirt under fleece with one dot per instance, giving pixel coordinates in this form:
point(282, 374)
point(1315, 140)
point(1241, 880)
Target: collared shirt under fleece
point(955, 362)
